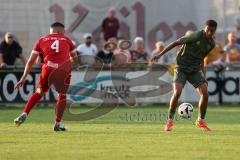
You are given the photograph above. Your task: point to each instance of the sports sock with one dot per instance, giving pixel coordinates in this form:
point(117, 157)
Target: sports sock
point(24, 114)
point(171, 116)
point(202, 112)
point(199, 119)
point(60, 107)
point(32, 102)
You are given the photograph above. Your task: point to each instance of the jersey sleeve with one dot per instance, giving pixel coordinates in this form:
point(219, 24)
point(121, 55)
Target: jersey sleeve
point(211, 48)
point(213, 45)
point(193, 37)
point(71, 45)
point(36, 49)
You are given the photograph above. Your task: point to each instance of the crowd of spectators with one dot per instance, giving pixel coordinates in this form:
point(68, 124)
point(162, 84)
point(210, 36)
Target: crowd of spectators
point(119, 51)
point(221, 55)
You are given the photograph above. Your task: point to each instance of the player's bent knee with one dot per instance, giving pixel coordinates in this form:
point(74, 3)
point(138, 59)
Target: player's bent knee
point(40, 92)
point(62, 96)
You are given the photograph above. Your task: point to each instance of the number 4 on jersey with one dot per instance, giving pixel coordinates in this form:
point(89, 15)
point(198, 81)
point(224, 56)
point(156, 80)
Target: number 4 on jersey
point(55, 46)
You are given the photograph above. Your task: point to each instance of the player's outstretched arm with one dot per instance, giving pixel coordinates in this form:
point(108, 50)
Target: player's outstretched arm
point(168, 48)
point(27, 69)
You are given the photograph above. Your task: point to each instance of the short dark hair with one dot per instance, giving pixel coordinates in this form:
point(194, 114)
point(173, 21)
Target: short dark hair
point(57, 24)
point(211, 23)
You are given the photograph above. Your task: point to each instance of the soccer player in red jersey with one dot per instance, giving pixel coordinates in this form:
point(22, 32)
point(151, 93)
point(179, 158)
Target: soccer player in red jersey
point(58, 52)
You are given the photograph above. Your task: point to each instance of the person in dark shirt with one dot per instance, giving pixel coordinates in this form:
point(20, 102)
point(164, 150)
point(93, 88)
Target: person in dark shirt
point(106, 54)
point(110, 25)
point(10, 50)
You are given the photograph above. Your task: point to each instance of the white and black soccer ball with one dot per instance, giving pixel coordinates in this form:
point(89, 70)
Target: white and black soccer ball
point(185, 110)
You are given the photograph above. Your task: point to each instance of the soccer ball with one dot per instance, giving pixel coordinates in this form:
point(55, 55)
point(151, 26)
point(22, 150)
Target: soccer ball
point(185, 110)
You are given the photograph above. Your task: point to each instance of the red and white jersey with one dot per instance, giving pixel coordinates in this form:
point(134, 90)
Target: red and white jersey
point(55, 48)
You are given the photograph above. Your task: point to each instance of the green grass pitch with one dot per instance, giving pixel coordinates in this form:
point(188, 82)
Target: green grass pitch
point(126, 133)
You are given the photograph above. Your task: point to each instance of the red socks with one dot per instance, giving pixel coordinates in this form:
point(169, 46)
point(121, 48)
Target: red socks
point(60, 107)
point(31, 102)
point(59, 110)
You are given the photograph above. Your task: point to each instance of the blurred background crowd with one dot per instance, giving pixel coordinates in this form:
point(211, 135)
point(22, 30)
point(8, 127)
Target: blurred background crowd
point(116, 50)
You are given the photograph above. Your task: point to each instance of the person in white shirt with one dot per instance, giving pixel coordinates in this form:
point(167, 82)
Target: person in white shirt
point(87, 51)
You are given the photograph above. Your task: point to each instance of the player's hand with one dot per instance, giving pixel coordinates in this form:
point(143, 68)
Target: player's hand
point(20, 84)
point(155, 58)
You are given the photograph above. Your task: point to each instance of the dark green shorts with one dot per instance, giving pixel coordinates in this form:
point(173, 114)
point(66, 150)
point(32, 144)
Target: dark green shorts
point(196, 78)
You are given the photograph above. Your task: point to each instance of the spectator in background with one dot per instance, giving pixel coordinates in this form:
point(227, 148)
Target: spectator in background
point(232, 49)
point(122, 54)
point(237, 26)
point(87, 51)
point(159, 46)
point(10, 50)
point(106, 54)
point(110, 25)
point(216, 56)
point(139, 54)
point(113, 39)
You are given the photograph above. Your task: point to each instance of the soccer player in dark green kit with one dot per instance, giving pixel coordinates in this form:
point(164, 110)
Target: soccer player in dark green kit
point(190, 67)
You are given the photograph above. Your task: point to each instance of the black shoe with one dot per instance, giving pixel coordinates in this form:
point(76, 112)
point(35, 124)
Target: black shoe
point(58, 127)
